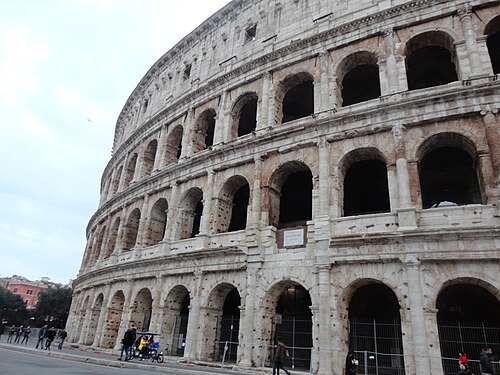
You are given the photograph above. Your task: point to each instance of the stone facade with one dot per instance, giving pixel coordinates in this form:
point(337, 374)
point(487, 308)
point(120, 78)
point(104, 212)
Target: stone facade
point(297, 161)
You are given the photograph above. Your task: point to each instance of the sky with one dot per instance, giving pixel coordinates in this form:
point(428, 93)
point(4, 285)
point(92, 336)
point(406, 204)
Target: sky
point(66, 69)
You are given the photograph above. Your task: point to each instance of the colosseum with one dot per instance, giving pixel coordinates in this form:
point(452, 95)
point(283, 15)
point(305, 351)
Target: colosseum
point(324, 171)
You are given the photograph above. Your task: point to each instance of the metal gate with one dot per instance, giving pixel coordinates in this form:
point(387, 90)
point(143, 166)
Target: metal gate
point(378, 346)
point(466, 337)
point(179, 336)
point(297, 335)
point(226, 343)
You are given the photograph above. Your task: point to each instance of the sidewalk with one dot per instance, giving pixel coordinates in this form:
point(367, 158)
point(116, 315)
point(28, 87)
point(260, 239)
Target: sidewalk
point(108, 357)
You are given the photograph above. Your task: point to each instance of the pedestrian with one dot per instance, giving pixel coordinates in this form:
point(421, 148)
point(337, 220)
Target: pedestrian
point(143, 344)
point(19, 333)
point(50, 335)
point(2, 330)
point(26, 335)
point(127, 343)
point(62, 336)
point(485, 361)
point(350, 364)
point(41, 337)
point(280, 354)
point(12, 331)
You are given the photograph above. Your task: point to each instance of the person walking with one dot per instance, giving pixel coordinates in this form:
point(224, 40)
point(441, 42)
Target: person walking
point(50, 335)
point(2, 330)
point(127, 342)
point(280, 354)
point(26, 335)
point(485, 361)
point(62, 336)
point(19, 333)
point(41, 337)
point(12, 331)
point(350, 364)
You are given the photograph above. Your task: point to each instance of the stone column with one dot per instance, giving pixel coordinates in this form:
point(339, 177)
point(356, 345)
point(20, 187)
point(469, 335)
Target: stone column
point(324, 175)
point(156, 308)
point(493, 139)
point(324, 344)
point(390, 62)
point(465, 15)
point(264, 102)
point(324, 89)
point(192, 349)
point(160, 151)
point(401, 166)
point(143, 224)
point(207, 205)
point(222, 123)
point(187, 138)
point(126, 314)
point(99, 332)
point(246, 342)
point(393, 187)
point(418, 327)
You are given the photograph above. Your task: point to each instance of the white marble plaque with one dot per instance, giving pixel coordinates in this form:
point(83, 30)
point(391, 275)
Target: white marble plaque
point(293, 237)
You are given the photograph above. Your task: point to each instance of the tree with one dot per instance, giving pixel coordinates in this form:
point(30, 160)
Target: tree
point(12, 308)
point(53, 307)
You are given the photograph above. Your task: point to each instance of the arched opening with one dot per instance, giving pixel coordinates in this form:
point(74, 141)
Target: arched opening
point(468, 320)
point(222, 324)
point(175, 320)
point(290, 195)
point(295, 97)
point(141, 310)
point(98, 245)
point(244, 115)
point(116, 180)
point(94, 320)
point(366, 189)
point(190, 213)
point(113, 320)
point(375, 328)
point(82, 319)
point(288, 312)
point(430, 60)
point(204, 130)
point(130, 171)
point(113, 235)
point(448, 172)
point(174, 145)
point(232, 205)
point(149, 157)
point(492, 31)
point(360, 78)
point(157, 222)
point(131, 230)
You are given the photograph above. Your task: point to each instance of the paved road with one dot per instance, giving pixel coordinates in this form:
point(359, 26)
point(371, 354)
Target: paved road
point(14, 362)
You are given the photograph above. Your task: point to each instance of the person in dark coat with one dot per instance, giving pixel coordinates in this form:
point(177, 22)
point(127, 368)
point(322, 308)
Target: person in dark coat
point(350, 364)
point(280, 354)
point(26, 335)
point(41, 337)
point(485, 361)
point(12, 331)
point(2, 330)
point(19, 333)
point(128, 343)
point(50, 335)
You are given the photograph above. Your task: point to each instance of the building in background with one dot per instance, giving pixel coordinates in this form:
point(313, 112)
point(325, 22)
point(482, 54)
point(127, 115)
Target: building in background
point(28, 290)
point(325, 171)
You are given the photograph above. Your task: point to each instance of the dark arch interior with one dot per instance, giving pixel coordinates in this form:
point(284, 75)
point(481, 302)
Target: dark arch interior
point(447, 174)
point(430, 66)
point(209, 138)
point(374, 301)
point(248, 118)
point(296, 199)
point(298, 101)
point(366, 189)
point(493, 43)
point(239, 210)
point(197, 218)
point(229, 326)
point(360, 84)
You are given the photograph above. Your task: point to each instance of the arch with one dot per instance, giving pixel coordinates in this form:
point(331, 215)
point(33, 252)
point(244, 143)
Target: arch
point(290, 195)
point(191, 210)
point(295, 97)
point(174, 145)
point(112, 236)
point(113, 319)
point(222, 323)
point(175, 319)
point(359, 78)
point(204, 130)
point(492, 31)
point(375, 326)
point(244, 115)
point(430, 60)
point(141, 310)
point(131, 229)
point(157, 222)
point(95, 314)
point(149, 157)
point(116, 180)
point(448, 171)
point(82, 318)
point(365, 188)
point(98, 245)
point(232, 205)
point(130, 171)
point(287, 313)
point(468, 319)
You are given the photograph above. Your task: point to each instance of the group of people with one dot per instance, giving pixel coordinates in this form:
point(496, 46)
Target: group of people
point(131, 344)
point(45, 337)
point(485, 362)
point(15, 334)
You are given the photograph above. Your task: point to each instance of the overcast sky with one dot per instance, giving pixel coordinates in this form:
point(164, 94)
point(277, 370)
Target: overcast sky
point(66, 69)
